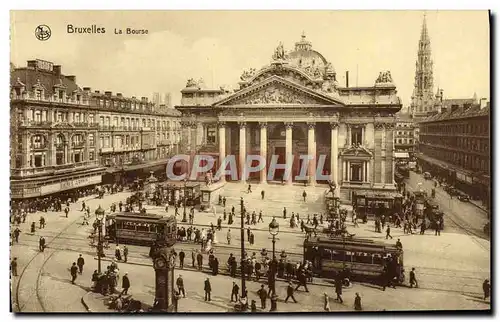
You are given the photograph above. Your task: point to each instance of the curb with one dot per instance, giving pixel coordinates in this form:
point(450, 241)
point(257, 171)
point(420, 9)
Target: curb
point(85, 304)
point(478, 206)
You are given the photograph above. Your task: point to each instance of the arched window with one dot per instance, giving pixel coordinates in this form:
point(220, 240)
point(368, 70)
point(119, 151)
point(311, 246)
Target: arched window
point(77, 140)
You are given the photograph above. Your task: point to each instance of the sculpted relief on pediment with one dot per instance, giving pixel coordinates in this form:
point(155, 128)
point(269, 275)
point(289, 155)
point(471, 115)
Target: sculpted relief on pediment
point(276, 95)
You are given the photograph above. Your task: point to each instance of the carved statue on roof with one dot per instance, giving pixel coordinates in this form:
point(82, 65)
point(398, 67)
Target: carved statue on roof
point(247, 74)
point(279, 52)
point(191, 83)
point(384, 77)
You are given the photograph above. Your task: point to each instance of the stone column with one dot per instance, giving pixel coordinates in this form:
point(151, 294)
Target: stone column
point(86, 149)
point(243, 152)
point(383, 173)
point(368, 171)
point(311, 151)
point(263, 151)
point(26, 148)
point(200, 135)
point(334, 156)
point(348, 171)
point(229, 151)
point(289, 152)
point(222, 148)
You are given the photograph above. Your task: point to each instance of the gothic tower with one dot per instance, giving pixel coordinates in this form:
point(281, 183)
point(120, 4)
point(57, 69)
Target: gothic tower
point(422, 100)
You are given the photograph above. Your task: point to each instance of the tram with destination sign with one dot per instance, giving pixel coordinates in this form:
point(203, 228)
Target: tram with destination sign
point(139, 228)
point(357, 258)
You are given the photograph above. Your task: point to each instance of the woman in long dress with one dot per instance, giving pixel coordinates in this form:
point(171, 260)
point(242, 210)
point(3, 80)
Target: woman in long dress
point(214, 237)
point(209, 246)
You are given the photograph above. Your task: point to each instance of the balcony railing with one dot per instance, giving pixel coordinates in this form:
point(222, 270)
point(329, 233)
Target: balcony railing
point(53, 168)
point(49, 124)
point(30, 96)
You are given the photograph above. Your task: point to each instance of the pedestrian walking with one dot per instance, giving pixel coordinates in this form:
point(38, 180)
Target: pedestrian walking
point(357, 303)
point(118, 253)
point(228, 236)
point(125, 253)
point(388, 232)
point(413, 278)
point(284, 212)
point(289, 292)
point(263, 296)
point(125, 284)
point(262, 193)
point(260, 217)
point(41, 243)
point(486, 288)
point(42, 222)
point(73, 270)
point(438, 228)
point(13, 266)
point(207, 289)
point(17, 232)
point(199, 258)
point(304, 195)
point(193, 257)
point(338, 289)
point(234, 292)
point(180, 286)
point(80, 262)
point(249, 190)
point(182, 255)
point(326, 302)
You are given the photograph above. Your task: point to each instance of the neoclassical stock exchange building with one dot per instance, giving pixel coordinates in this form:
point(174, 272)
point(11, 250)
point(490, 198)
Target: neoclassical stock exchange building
point(295, 106)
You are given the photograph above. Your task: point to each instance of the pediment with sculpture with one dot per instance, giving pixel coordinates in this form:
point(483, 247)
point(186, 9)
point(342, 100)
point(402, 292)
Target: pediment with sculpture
point(356, 151)
point(277, 91)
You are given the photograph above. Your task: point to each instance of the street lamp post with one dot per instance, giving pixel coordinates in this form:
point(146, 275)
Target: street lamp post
point(184, 219)
point(243, 286)
point(274, 229)
point(100, 217)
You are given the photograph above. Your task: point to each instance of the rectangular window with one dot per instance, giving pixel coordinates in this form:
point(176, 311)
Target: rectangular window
point(356, 172)
point(356, 136)
point(91, 155)
point(211, 135)
point(38, 160)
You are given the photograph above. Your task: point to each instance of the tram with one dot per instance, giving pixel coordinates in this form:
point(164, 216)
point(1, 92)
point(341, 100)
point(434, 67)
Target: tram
point(139, 228)
point(361, 258)
point(376, 205)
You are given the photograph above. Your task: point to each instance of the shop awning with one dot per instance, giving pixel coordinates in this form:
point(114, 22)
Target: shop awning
point(401, 155)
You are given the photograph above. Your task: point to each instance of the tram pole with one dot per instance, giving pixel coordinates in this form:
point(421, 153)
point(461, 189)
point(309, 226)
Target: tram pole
point(242, 234)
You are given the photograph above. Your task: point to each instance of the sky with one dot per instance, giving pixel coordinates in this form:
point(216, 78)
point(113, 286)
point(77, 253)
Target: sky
point(219, 45)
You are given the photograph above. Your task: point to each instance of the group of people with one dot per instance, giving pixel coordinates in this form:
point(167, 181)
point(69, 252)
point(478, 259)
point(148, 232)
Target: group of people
point(107, 282)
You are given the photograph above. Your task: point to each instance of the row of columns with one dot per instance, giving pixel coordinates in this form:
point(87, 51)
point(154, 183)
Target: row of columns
point(311, 148)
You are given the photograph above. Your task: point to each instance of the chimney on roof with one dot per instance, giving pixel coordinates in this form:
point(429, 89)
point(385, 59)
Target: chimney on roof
point(57, 69)
point(133, 97)
point(118, 94)
point(483, 103)
point(72, 78)
point(347, 79)
point(144, 99)
point(108, 93)
point(97, 92)
point(86, 89)
point(163, 106)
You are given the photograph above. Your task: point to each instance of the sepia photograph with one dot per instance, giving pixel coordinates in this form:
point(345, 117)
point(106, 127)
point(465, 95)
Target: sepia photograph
point(250, 161)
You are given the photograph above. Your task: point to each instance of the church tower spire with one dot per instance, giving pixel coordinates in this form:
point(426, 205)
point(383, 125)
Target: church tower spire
point(422, 100)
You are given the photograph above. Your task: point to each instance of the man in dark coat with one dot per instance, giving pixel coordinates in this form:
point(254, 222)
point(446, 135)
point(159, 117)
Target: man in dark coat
point(302, 280)
point(289, 292)
point(486, 288)
point(413, 278)
point(180, 286)
point(207, 289)
point(263, 296)
point(234, 292)
point(304, 195)
point(17, 231)
point(215, 266)
point(181, 259)
point(125, 284)
point(338, 289)
point(73, 271)
point(41, 244)
point(284, 212)
point(262, 193)
point(199, 258)
point(80, 262)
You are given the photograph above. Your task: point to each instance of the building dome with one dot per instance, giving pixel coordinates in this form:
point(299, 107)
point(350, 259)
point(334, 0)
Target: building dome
point(305, 58)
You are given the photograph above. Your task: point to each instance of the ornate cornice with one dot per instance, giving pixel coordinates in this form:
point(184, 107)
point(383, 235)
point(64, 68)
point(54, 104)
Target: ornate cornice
point(311, 125)
point(263, 125)
point(379, 125)
point(288, 125)
point(242, 125)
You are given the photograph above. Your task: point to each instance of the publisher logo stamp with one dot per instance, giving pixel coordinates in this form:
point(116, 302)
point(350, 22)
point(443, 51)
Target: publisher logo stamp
point(42, 32)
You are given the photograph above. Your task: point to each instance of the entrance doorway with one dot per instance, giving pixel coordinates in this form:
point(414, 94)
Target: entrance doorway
point(281, 153)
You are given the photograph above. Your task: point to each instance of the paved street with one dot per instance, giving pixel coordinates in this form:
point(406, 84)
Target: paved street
point(453, 262)
point(459, 215)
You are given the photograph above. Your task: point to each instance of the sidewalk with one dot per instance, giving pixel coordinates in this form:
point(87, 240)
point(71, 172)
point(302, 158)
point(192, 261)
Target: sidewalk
point(373, 299)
